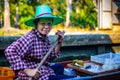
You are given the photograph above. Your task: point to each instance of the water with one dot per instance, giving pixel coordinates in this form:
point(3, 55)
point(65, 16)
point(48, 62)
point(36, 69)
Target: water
point(73, 52)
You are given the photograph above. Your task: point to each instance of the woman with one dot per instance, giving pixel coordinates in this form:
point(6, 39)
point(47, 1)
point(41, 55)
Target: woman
point(26, 53)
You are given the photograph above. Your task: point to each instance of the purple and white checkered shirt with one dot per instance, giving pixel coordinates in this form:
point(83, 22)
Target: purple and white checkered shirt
point(28, 51)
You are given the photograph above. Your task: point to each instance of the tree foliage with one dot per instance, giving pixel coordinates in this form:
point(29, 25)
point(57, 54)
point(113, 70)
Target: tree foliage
point(83, 11)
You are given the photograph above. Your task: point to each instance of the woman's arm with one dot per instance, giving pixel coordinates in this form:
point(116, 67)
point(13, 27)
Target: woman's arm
point(15, 52)
point(60, 40)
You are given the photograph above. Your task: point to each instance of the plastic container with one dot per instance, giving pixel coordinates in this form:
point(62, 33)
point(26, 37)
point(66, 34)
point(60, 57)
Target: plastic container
point(69, 72)
point(6, 73)
point(102, 57)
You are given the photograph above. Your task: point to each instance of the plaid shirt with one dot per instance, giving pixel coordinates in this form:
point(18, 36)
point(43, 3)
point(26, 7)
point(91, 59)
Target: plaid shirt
point(28, 51)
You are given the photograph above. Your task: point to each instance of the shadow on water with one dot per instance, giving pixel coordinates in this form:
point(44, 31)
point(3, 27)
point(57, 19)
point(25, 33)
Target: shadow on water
point(81, 52)
point(3, 60)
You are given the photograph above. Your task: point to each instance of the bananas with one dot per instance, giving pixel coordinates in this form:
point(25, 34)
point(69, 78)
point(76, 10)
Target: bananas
point(78, 62)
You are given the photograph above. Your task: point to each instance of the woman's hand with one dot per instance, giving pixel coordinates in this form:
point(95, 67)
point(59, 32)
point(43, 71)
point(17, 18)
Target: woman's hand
point(35, 73)
point(61, 35)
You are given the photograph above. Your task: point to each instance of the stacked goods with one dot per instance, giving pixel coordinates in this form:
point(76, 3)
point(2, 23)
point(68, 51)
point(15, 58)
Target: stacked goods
point(101, 58)
point(110, 60)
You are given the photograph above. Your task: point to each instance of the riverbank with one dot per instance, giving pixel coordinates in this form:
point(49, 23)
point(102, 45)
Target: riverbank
point(68, 31)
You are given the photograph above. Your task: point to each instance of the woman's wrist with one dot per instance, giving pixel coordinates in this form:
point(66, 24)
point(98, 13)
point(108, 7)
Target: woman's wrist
point(59, 42)
point(24, 70)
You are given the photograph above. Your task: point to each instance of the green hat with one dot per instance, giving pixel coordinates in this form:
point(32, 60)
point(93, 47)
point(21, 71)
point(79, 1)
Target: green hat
point(44, 11)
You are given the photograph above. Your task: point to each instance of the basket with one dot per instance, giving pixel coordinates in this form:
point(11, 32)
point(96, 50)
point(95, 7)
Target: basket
point(6, 73)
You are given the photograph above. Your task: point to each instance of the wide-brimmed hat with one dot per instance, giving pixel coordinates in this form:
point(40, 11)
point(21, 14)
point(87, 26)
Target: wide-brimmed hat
point(44, 11)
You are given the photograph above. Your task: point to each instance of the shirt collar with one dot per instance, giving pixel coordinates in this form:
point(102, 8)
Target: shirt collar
point(39, 35)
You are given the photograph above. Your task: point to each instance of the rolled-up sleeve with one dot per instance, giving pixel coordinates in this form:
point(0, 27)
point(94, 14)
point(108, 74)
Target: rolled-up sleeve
point(53, 55)
point(14, 52)
point(56, 55)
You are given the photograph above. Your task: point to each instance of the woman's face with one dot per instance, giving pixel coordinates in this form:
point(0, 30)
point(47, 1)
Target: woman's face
point(44, 26)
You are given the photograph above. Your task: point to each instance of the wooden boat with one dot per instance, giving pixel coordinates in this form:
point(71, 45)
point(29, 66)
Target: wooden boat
point(87, 75)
